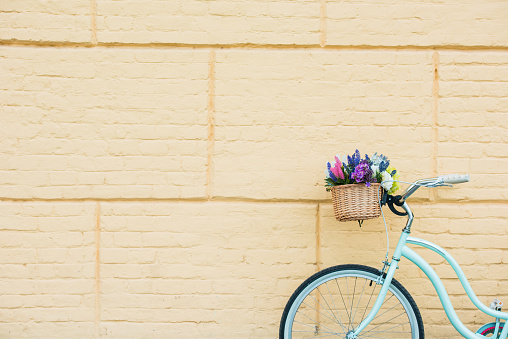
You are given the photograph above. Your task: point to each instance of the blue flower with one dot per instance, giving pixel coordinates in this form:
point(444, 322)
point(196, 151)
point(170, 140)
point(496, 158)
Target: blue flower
point(330, 173)
point(384, 165)
point(354, 160)
point(378, 158)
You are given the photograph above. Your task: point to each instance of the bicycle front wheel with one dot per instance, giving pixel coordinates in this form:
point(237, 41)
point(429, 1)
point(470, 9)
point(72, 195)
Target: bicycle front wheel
point(333, 302)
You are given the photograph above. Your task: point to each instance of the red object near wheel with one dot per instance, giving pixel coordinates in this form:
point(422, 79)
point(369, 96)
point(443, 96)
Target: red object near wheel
point(491, 330)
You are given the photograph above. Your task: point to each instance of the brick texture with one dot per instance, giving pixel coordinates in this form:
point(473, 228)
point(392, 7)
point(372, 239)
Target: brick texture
point(209, 22)
point(99, 123)
point(418, 23)
point(161, 162)
point(47, 276)
point(40, 20)
point(474, 122)
point(294, 112)
point(166, 265)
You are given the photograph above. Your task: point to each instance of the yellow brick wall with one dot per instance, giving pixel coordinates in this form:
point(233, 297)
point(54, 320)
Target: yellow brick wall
point(161, 162)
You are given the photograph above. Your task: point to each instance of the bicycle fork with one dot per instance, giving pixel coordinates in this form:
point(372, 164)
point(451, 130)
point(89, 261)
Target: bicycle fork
point(386, 282)
point(388, 277)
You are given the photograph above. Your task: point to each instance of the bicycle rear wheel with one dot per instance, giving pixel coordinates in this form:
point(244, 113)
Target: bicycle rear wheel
point(490, 329)
point(333, 302)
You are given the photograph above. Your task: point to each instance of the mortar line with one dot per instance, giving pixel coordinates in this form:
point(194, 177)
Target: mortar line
point(93, 22)
point(415, 201)
point(63, 44)
point(435, 121)
point(318, 238)
point(322, 24)
point(97, 270)
point(211, 126)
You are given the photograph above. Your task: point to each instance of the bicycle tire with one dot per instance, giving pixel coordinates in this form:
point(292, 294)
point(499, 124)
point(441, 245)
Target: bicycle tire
point(491, 330)
point(310, 314)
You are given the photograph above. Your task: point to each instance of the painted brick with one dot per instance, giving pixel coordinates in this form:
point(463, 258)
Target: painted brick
point(250, 112)
point(209, 22)
point(195, 260)
point(47, 273)
point(107, 152)
point(281, 116)
point(473, 122)
point(38, 20)
point(420, 23)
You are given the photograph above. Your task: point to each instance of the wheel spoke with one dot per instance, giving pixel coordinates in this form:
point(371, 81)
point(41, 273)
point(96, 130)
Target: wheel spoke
point(384, 322)
point(368, 303)
point(335, 308)
point(359, 299)
point(391, 308)
point(315, 321)
point(387, 330)
point(348, 302)
point(316, 310)
point(340, 291)
point(352, 302)
point(313, 326)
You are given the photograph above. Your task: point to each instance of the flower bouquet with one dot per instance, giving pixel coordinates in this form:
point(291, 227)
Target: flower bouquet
point(356, 183)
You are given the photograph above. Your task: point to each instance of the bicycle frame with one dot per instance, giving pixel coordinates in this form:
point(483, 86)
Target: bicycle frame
point(402, 250)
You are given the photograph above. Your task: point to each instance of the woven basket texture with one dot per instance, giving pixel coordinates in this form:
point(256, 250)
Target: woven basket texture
point(356, 202)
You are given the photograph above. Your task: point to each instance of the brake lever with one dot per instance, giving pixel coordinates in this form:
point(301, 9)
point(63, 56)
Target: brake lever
point(438, 183)
point(394, 210)
point(390, 200)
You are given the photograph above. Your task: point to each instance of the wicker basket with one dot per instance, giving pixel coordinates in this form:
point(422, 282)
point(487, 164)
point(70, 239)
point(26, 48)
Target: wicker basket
point(356, 202)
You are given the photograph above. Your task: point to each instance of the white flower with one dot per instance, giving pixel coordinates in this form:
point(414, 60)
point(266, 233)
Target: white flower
point(377, 159)
point(388, 184)
point(375, 169)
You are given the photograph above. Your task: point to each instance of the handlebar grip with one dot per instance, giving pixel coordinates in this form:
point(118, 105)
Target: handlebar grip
point(454, 178)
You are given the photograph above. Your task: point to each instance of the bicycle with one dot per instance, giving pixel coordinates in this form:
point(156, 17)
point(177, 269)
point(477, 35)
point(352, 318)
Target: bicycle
point(345, 302)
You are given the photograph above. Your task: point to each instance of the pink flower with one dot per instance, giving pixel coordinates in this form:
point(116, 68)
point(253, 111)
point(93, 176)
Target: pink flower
point(337, 169)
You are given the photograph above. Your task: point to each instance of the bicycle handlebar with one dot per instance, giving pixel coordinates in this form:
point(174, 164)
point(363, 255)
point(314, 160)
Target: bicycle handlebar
point(443, 180)
point(454, 178)
point(400, 200)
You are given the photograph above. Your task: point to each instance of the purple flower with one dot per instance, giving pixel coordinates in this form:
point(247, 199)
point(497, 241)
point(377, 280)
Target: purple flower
point(363, 173)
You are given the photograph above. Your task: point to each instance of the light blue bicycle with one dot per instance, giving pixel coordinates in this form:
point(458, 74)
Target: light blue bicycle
point(355, 301)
